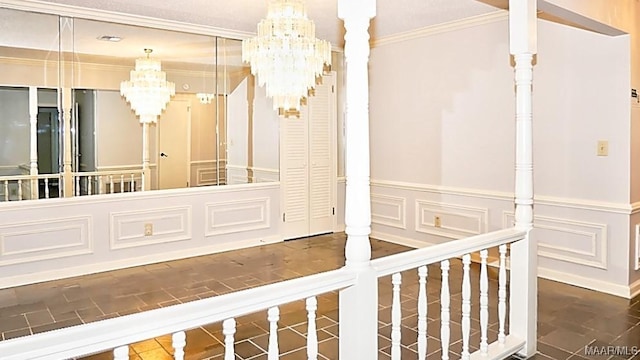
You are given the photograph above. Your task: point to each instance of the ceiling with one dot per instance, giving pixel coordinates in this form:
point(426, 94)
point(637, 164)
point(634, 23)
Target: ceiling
point(393, 16)
point(197, 52)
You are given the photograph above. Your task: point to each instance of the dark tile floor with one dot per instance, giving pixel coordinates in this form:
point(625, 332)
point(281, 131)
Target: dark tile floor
point(570, 318)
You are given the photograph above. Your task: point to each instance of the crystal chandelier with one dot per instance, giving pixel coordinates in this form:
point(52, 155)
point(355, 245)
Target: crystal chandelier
point(148, 90)
point(285, 55)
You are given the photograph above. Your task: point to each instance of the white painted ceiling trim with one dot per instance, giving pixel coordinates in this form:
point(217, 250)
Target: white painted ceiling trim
point(497, 16)
point(122, 18)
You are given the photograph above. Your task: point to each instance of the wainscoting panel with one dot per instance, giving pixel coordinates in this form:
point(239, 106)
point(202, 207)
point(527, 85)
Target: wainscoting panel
point(389, 210)
point(579, 242)
point(450, 220)
point(45, 239)
point(166, 224)
point(237, 216)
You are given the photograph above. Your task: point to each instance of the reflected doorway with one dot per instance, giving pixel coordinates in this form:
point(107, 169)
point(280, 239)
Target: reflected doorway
point(173, 146)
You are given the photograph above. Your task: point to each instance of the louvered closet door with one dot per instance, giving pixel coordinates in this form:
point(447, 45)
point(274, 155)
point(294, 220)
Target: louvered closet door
point(321, 177)
point(307, 165)
point(294, 157)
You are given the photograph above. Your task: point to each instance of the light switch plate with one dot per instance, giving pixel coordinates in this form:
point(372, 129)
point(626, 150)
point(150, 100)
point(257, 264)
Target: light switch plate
point(603, 148)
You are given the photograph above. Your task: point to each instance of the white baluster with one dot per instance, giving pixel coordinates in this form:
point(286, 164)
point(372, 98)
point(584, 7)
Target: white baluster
point(273, 317)
point(228, 330)
point(100, 185)
point(77, 184)
point(121, 353)
point(312, 336)
point(444, 303)
point(179, 340)
point(6, 190)
point(502, 292)
point(396, 317)
point(466, 305)
point(484, 302)
point(89, 181)
point(422, 313)
point(131, 184)
point(122, 183)
point(111, 183)
point(46, 188)
point(19, 189)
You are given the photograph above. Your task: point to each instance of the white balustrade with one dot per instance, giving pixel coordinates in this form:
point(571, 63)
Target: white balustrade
point(228, 330)
point(484, 302)
point(121, 353)
point(312, 335)
point(273, 317)
point(466, 305)
point(445, 301)
point(502, 292)
point(396, 317)
point(178, 341)
point(26, 187)
point(422, 313)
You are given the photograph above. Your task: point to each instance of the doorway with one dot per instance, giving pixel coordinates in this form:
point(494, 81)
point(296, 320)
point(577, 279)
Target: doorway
point(173, 155)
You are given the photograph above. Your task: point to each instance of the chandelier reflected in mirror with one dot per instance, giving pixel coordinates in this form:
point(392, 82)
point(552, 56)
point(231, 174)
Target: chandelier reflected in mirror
point(148, 90)
point(285, 56)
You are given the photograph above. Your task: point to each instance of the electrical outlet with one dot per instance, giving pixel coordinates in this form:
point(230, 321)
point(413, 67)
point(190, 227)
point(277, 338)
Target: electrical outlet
point(437, 222)
point(148, 229)
point(603, 148)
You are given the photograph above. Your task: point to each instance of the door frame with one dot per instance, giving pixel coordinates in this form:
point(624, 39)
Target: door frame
point(188, 144)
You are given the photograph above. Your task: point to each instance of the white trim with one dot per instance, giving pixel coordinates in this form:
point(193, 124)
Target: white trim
point(581, 204)
point(635, 207)
point(400, 203)
point(496, 16)
point(118, 197)
point(93, 268)
point(119, 168)
point(636, 258)
point(634, 289)
point(341, 179)
point(400, 240)
point(598, 251)
point(588, 282)
point(122, 18)
point(201, 162)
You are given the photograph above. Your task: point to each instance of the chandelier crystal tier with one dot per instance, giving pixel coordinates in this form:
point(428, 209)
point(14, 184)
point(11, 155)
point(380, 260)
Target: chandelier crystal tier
point(285, 55)
point(148, 90)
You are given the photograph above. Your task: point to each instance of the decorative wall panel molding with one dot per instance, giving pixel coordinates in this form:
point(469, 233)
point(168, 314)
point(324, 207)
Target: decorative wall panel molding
point(389, 210)
point(578, 242)
point(237, 216)
point(45, 239)
point(129, 228)
point(450, 220)
point(572, 203)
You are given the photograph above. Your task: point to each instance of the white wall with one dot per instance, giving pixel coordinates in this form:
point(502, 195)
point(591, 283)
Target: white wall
point(237, 130)
point(56, 238)
point(442, 144)
point(266, 132)
point(118, 132)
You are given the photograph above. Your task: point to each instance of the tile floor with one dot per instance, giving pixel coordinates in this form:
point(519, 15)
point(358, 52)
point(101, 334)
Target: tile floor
point(570, 318)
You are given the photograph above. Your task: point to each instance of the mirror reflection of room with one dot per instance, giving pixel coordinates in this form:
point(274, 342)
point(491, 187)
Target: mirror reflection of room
point(66, 129)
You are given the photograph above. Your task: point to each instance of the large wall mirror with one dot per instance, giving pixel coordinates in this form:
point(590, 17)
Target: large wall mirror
point(65, 129)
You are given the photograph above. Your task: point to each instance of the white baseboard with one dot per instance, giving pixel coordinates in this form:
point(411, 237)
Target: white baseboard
point(624, 291)
point(634, 289)
point(400, 240)
point(57, 274)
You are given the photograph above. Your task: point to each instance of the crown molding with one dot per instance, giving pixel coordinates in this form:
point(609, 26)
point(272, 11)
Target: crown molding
point(123, 18)
point(489, 18)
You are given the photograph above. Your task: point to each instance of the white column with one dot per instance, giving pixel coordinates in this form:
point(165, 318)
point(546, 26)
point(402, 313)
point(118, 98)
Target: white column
point(523, 300)
point(33, 130)
point(67, 151)
point(146, 172)
point(359, 303)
